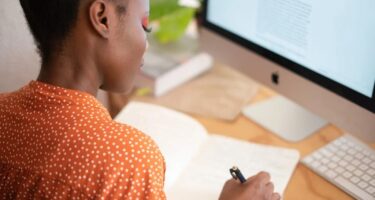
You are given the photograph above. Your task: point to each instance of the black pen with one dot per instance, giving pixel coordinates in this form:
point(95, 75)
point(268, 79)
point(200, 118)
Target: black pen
point(236, 174)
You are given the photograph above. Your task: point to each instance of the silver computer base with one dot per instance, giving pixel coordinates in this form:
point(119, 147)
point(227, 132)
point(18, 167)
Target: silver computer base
point(284, 118)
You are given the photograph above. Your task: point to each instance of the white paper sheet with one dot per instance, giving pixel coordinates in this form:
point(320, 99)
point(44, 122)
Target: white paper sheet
point(177, 135)
point(208, 171)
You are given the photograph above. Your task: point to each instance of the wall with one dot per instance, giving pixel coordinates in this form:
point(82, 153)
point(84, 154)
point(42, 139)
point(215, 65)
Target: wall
point(19, 62)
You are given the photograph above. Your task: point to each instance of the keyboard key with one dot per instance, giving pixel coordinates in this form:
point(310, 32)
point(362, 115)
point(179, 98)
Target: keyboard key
point(366, 153)
point(350, 144)
point(350, 167)
point(371, 190)
point(315, 164)
point(331, 174)
point(332, 165)
point(358, 172)
point(344, 147)
point(352, 151)
point(363, 167)
point(335, 159)
point(322, 168)
point(371, 172)
point(355, 179)
point(343, 163)
point(340, 170)
point(324, 160)
point(366, 177)
point(359, 155)
point(372, 182)
point(356, 162)
point(347, 174)
point(348, 158)
point(362, 184)
point(326, 153)
point(366, 160)
point(332, 148)
point(340, 153)
point(359, 193)
point(317, 156)
point(308, 159)
point(337, 142)
point(358, 148)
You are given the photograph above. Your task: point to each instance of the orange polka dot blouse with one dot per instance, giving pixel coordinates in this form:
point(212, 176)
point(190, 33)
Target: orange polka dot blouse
point(57, 143)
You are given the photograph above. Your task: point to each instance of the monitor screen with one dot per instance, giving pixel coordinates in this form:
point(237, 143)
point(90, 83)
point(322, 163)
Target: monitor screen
point(331, 43)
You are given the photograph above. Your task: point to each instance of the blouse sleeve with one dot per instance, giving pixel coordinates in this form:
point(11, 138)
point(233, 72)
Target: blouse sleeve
point(144, 178)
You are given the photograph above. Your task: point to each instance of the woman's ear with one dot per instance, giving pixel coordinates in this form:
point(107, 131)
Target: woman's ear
point(99, 17)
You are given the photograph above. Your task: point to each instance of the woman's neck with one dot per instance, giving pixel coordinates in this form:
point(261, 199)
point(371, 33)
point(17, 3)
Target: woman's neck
point(71, 71)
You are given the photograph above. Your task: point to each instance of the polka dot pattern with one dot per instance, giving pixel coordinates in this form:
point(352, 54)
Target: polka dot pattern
point(57, 143)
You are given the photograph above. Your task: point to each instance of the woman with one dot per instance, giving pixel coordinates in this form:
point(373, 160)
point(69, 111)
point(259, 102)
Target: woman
point(57, 141)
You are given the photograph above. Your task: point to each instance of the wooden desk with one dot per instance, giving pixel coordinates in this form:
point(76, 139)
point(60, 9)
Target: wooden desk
point(304, 183)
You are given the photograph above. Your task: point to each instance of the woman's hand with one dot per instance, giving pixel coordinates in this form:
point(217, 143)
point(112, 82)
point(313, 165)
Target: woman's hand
point(258, 187)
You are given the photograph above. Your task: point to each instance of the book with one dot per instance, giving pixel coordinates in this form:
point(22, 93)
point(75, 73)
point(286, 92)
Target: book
point(197, 162)
point(170, 65)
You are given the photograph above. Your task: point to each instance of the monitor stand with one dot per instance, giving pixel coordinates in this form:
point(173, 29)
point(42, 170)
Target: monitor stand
point(285, 118)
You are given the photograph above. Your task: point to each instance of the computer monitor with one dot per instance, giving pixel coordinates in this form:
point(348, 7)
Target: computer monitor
point(320, 55)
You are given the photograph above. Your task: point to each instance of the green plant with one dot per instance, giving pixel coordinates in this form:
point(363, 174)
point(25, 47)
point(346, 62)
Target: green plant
point(171, 19)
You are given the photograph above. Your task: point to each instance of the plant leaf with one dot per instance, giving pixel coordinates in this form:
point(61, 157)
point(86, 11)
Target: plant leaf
point(159, 8)
point(173, 25)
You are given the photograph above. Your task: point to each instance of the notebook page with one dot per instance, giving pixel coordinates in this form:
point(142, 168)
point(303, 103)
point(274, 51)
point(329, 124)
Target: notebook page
point(177, 135)
point(208, 171)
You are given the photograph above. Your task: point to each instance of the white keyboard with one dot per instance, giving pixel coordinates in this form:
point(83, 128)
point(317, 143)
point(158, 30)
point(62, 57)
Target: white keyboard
point(347, 163)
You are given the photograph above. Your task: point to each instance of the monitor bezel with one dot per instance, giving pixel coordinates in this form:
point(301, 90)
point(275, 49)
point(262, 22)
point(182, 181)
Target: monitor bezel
point(362, 100)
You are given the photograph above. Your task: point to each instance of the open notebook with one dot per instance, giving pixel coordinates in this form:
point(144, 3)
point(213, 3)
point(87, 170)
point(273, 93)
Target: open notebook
point(197, 162)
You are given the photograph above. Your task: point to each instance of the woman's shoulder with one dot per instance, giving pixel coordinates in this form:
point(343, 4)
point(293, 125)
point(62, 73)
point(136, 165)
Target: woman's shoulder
point(4, 96)
point(115, 138)
point(125, 132)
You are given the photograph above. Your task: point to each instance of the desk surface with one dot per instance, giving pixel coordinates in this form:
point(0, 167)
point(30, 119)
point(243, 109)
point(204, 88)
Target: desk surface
point(304, 183)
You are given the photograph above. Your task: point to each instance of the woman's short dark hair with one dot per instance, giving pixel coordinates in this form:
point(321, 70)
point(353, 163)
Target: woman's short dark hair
point(50, 22)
